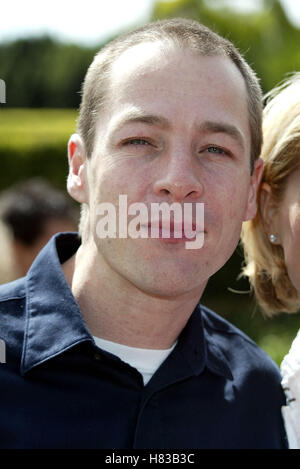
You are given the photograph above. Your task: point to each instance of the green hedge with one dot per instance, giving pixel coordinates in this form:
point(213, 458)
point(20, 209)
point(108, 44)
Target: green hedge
point(33, 142)
point(49, 162)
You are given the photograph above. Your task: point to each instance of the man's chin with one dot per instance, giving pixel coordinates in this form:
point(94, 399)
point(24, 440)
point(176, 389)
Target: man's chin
point(164, 286)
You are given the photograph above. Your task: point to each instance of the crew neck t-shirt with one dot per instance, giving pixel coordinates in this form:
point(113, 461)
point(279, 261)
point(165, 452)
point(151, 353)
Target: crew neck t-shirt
point(146, 361)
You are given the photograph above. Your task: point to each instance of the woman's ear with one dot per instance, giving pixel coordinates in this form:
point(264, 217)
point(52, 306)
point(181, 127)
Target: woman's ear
point(77, 183)
point(268, 211)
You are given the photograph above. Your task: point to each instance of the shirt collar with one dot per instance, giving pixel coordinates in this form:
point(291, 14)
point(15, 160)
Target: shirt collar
point(54, 322)
point(199, 348)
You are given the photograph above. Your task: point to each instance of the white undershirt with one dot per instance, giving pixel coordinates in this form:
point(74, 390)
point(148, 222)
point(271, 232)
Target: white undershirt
point(290, 370)
point(146, 361)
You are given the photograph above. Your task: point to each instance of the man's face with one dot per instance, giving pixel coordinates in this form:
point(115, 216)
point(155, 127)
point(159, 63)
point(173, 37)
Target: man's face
point(176, 130)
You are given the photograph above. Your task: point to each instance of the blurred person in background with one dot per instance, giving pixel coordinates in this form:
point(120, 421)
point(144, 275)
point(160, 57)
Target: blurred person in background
point(32, 212)
point(272, 239)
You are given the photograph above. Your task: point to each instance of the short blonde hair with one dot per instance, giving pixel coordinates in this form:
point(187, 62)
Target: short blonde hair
point(264, 262)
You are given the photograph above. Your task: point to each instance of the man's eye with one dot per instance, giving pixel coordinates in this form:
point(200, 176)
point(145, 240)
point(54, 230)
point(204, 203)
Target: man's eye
point(136, 141)
point(216, 150)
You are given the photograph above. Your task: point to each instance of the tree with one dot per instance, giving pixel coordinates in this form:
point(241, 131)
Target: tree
point(266, 38)
point(40, 72)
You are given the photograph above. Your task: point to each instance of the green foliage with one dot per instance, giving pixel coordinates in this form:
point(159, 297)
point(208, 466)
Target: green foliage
point(268, 41)
point(25, 128)
point(33, 142)
point(40, 72)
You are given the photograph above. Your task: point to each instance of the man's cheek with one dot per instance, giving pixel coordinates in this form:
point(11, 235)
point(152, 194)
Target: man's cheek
point(236, 203)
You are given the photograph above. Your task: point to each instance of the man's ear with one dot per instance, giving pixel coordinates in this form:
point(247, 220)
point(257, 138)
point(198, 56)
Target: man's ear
point(77, 182)
point(254, 183)
point(268, 210)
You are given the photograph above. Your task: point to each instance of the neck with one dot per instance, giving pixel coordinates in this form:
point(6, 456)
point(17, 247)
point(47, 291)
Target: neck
point(115, 309)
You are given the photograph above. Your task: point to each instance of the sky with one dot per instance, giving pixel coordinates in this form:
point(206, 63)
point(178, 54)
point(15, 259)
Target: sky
point(89, 22)
point(86, 22)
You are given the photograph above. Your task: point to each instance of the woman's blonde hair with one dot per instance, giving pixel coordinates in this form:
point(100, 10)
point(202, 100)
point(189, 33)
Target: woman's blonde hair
point(264, 262)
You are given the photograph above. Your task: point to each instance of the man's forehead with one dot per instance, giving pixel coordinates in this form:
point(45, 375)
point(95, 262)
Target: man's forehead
point(151, 79)
point(138, 57)
point(158, 73)
point(146, 58)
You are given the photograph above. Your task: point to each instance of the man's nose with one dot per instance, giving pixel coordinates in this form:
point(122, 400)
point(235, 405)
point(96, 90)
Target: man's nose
point(178, 179)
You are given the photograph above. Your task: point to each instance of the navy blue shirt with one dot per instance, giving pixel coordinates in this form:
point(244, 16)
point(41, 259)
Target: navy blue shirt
point(216, 389)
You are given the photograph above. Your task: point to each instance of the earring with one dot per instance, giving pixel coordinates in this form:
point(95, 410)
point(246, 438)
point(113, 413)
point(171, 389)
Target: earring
point(273, 238)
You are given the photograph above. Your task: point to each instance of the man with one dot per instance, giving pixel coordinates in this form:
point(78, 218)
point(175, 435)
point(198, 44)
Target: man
point(107, 346)
point(33, 211)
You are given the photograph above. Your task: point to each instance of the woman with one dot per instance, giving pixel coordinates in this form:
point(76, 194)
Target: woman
point(272, 240)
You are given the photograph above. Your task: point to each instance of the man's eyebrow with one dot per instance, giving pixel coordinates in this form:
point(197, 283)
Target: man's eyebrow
point(223, 127)
point(134, 117)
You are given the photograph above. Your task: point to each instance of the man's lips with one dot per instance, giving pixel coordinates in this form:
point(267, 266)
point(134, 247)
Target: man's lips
point(170, 229)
